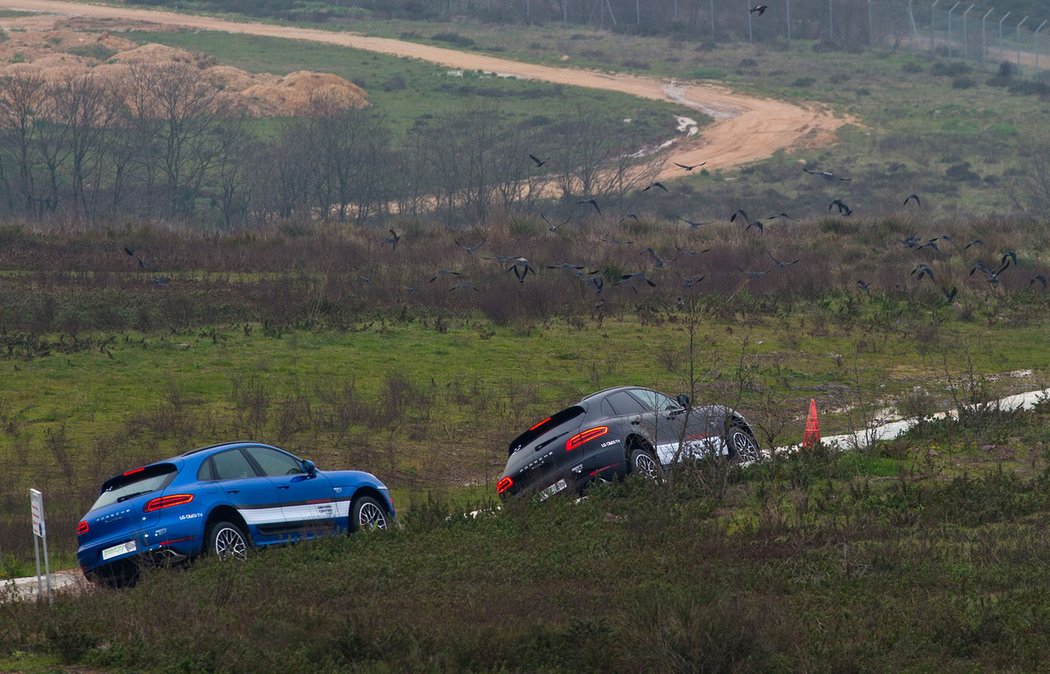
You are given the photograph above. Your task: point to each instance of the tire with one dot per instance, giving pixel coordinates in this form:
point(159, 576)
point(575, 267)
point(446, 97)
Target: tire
point(645, 464)
point(741, 444)
point(368, 515)
point(226, 540)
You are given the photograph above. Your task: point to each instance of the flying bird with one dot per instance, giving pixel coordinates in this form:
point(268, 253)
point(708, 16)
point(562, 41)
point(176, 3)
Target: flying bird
point(656, 184)
point(758, 224)
point(629, 278)
point(596, 281)
point(686, 251)
point(949, 294)
point(781, 215)
point(761, 9)
point(990, 275)
point(551, 227)
point(441, 273)
point(464, 285)
point(1009, 255)
point(471, 249)
point(915, 197)
point(864, 285)
point(694, 225)
point(393, 239)
point(739, 212)
point(923, 269)
point(567, 266)
point(841, 205)
point(780, 264)
point(826, 175)
point(536, 160)
point(592, 202)
point(689, 167)
point(521, 268)
point(690, 281)
point(975, 242)
point(755, 274)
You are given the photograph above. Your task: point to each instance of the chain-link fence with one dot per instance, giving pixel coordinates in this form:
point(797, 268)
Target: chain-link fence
point(974, 31)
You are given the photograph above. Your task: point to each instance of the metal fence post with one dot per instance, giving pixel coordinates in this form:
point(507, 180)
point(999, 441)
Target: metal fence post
point(964, 31)
point(871, 30)
point(1001, 33)
point(950, 27)
point(1019, 44)
point(984, 47)
point(911, 19)
point(933, 25)
point(831, 24)
point(750, 36)
point(712, 19)
point(787, 4)
point(1041, 26)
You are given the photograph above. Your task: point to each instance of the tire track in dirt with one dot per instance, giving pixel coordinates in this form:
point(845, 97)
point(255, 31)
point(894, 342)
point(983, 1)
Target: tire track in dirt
point(746, 128)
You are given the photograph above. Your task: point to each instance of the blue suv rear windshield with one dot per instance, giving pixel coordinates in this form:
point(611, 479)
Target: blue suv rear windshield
point(134, 483)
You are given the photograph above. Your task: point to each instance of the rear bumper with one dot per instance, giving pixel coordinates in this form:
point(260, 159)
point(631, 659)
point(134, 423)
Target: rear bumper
point(154, 545)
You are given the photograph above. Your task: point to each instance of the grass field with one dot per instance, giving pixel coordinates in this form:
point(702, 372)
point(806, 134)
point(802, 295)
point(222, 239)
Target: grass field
point(409, 92)
point(925, 553)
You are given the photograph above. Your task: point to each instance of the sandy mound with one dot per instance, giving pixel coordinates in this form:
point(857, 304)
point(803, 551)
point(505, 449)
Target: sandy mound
point(56, 48)
point(158, 54)
point(296, 91)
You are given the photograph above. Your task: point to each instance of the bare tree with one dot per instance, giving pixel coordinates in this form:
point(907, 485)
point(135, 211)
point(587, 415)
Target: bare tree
point(22, 100)
point(89, 108)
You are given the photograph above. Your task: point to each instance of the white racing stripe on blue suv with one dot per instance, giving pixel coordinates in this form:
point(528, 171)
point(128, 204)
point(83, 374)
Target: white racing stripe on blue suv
point(295, 513)
point(316, 511)
point(262, 516)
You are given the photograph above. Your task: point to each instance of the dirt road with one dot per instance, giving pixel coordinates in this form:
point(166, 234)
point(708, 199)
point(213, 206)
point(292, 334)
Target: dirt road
point(746, 128)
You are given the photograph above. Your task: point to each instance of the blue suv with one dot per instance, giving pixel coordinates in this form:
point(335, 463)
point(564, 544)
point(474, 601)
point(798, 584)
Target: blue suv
point(223, 500)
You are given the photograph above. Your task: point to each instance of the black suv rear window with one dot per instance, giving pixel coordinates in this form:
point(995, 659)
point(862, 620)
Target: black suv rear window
point(551, 423)
point(133, 483)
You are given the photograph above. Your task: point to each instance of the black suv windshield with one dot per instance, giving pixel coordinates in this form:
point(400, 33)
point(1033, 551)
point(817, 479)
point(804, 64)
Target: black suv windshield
point(134, 483)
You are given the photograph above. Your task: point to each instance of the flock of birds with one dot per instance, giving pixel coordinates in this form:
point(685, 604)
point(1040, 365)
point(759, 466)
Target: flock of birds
point(521, 267)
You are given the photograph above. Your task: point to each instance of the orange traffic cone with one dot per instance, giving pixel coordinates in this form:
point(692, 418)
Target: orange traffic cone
point(812, 435)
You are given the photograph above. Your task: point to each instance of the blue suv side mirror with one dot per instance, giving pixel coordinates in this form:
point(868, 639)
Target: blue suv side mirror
point(309, 468)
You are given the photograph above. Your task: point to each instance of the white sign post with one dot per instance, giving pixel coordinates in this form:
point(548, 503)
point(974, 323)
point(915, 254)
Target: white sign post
point(36, 505)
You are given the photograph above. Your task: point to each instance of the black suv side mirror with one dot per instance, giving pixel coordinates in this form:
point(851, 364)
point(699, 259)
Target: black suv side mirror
point(682, 400)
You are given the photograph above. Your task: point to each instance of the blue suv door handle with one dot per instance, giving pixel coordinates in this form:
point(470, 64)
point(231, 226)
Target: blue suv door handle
point(233, 491)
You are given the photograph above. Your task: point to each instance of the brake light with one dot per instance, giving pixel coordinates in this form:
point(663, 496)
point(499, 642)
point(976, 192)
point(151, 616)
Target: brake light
point(585, 436)
point(537, 425)
point(133, 471)
point(168, 501)
point(504, 484)
point(82, 528)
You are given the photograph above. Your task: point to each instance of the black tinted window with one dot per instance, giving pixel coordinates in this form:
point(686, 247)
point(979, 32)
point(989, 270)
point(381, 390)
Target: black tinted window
point(206, 471)
point(623, 404)
point(275, 463)
point(134, 483)
point(231, 465)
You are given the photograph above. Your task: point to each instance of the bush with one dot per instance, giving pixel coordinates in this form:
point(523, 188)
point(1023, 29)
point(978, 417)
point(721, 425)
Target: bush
point(454, 39)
